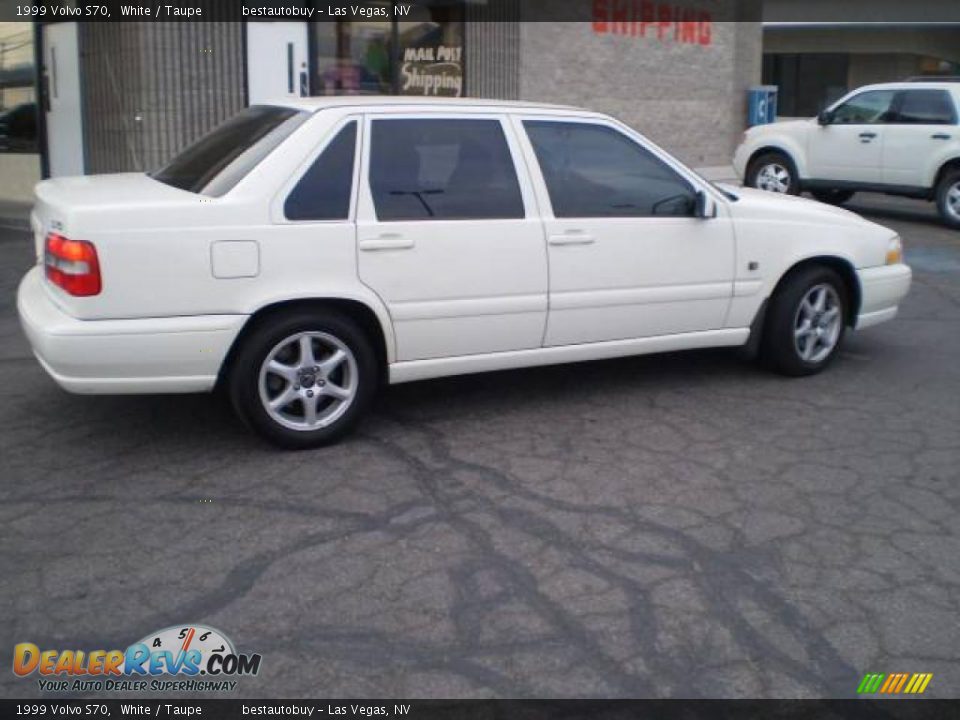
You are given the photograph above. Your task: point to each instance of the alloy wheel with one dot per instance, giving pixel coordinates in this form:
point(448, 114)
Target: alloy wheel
point(952, 204)
point(308, 381)
point(818, 324)
point(774, 177)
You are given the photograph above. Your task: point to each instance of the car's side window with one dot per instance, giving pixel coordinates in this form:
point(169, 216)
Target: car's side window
point(323, 193)
point(595, 171)
point(926, 107)
point(442, 169)
point(868, 108)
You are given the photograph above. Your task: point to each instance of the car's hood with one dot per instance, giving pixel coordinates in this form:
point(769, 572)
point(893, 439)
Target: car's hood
point(798, 126)
point(762, 205)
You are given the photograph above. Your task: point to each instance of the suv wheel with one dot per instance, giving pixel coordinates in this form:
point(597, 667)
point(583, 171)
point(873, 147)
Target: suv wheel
point(774, 172)
point(806, 322)
point(948, 198)
point(833, 196)
point(304, 379)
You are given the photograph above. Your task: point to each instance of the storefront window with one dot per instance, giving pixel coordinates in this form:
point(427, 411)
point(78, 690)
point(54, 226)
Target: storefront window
point(352, 58)
point(808, 82)
point(18, 107)
point(420, 55)
point(431, 52)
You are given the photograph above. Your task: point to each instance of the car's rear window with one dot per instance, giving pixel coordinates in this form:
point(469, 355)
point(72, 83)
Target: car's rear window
point(223, 157)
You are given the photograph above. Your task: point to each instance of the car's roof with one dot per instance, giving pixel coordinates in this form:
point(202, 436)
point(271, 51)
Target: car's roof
point(914, 85)
point(313, 104)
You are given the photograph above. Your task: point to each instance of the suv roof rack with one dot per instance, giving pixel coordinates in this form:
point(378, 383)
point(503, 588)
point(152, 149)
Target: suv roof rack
point(934, 78)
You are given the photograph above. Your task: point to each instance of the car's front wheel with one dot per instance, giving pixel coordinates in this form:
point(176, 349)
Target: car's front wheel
point(948, 198)
point(833, 196)
point(805, 322)
point(303, 379)
point(774, 172)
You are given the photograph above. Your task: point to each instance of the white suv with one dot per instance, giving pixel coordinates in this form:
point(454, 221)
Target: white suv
point(304, 253)
point(896, 138)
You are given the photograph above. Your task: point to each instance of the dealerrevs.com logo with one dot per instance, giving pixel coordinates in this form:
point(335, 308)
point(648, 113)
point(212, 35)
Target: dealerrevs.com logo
point(200, 658)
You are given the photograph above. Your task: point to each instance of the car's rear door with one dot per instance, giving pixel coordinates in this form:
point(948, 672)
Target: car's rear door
point(628, 259)
point(449, 236)
point(921, 136)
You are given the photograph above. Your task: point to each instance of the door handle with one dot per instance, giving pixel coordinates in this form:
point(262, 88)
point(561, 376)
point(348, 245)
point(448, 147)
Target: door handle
point(940, 136)
point(572, 238)
point(387, 241)
point(867, 136)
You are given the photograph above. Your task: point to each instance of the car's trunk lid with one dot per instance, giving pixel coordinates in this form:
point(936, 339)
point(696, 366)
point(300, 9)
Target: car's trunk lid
point(100, 209)
point(65, 204)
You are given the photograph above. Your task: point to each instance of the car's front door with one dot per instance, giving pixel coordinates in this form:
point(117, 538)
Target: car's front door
point(449, 237)
point(922, 133)
point(850, 147)
point(628, 259)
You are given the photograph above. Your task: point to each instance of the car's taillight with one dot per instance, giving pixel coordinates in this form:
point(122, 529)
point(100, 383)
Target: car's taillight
point(72, 265)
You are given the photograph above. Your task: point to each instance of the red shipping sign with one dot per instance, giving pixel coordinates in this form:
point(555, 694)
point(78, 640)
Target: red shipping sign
point(645, 18)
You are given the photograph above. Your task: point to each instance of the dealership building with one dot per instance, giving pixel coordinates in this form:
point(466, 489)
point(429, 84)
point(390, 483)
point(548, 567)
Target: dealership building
point(128, 95)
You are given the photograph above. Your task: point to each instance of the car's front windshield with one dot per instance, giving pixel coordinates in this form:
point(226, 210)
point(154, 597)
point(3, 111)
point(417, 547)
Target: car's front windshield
point(221, 158)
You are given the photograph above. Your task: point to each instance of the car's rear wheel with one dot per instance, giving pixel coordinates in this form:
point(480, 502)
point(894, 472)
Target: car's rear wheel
point(948, 198)
point(774, 172)
point(806, 322)
point(833, 196)
point(304, 379)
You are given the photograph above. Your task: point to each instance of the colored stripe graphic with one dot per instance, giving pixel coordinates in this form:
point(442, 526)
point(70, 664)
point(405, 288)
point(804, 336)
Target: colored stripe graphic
point(918, 683)
point(870, 683)
point(894, 683)
point(891, 681)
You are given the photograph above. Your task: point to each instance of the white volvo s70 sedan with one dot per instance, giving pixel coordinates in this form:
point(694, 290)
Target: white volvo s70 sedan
point(305, 252)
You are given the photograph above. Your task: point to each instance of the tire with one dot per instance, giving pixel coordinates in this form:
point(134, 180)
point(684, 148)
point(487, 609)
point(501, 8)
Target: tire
point(833, 196)
point(328, 336)
point(948, 198)
point(774, 172)
point(795, 306)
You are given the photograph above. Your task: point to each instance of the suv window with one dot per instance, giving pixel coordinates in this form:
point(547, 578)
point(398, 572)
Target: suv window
point(223, 157)
point(323, 192)
point(867, 108)
point(442, 169)
point(596, 171)
point(926, 107)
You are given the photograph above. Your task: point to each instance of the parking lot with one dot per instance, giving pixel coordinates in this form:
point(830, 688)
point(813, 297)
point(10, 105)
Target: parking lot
point(683, 525)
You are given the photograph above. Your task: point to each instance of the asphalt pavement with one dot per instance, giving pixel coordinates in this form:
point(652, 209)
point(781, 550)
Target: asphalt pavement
point(683, 525)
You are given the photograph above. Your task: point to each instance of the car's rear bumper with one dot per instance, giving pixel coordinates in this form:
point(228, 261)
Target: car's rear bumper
point(881, 290)
point(145, 355)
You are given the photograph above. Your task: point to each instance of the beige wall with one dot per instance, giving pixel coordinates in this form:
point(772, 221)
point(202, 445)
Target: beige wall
point(689, 98)
point(18, 174)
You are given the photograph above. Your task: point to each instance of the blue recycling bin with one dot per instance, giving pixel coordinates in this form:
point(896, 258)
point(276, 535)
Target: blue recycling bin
point(762, 106)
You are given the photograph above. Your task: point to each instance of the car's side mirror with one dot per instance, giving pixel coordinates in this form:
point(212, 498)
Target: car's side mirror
point(705, 207)
point(825, 117)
